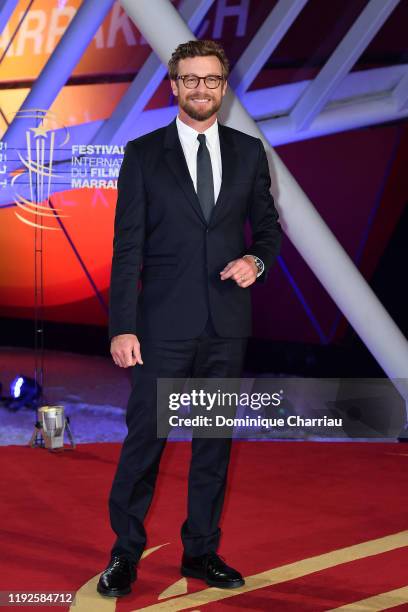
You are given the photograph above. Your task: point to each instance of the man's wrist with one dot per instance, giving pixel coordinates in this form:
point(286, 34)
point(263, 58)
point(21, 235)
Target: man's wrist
point(258, 263)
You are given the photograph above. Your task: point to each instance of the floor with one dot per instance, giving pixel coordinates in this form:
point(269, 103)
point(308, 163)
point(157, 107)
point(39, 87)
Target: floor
point(94, 394)
point(92, 390)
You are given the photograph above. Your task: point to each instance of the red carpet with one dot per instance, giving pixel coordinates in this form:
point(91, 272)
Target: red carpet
point(292, 504)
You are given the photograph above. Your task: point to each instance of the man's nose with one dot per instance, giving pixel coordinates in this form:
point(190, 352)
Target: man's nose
point(202, 88)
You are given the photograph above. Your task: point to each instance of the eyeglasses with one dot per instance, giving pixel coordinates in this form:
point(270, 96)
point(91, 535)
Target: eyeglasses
point(191, 81)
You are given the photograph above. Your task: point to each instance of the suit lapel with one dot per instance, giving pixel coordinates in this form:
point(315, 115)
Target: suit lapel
point(229, 163)
point(176, 161)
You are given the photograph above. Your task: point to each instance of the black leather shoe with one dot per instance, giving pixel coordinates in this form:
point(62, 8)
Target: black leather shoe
point(213, 570)
point(116, 580)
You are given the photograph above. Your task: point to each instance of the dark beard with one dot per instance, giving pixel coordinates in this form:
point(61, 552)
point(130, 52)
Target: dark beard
point(203, 115)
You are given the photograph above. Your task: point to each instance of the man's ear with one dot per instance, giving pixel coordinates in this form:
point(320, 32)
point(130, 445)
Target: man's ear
point(224, 88)
point(174, 88)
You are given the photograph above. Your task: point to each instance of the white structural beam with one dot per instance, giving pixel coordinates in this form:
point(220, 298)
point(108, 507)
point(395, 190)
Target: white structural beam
point(264, 43)
point(131, 105)
point(299, 219)
point(400, 94)
point(335, 118)
point(341, 61)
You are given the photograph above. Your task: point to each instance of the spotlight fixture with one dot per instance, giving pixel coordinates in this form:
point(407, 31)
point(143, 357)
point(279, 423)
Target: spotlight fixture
point(49, 429)
point(24, 391)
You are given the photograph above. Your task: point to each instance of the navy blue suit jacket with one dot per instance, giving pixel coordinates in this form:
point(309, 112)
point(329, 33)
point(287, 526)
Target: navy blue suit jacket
point(163, 240)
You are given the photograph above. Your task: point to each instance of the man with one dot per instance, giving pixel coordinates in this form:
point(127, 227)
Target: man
point(184, 194)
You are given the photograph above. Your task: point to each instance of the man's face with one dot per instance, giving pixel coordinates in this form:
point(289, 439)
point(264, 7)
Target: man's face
point(199, 103)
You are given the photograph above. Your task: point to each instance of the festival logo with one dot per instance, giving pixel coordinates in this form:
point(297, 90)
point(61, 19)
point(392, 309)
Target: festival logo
point(38, 168)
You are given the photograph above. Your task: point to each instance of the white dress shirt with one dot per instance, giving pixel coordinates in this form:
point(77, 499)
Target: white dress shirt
point(190, 144)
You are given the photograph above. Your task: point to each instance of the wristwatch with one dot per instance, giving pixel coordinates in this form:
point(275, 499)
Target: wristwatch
point(258, 262)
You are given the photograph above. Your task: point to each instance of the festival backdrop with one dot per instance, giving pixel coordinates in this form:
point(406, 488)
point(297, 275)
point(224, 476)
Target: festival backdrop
point(59, 161)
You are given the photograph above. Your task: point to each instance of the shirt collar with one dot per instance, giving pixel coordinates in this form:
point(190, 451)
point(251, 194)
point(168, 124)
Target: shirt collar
point(190, 134)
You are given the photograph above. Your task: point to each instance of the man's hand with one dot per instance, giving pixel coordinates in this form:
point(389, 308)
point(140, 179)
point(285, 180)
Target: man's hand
point(125, 350)
point(243, 271)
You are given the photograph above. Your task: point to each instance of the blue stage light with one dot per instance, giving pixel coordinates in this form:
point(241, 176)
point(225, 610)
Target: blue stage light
point(15, 387)
point(24, 391)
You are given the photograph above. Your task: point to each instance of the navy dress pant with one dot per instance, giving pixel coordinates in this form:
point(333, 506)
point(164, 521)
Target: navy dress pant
point(207, 356)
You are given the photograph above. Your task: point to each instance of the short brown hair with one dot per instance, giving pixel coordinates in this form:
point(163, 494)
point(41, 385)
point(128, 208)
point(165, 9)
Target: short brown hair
point(197, 48)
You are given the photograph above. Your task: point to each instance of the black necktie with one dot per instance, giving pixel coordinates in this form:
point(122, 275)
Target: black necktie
point(205, 183)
